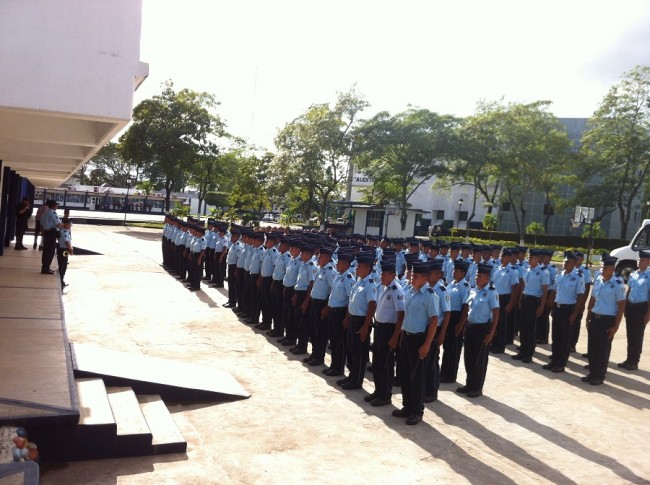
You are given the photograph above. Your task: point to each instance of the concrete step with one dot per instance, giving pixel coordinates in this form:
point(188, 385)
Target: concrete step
point(133, 434)
point(166, 436)
point(96, 432)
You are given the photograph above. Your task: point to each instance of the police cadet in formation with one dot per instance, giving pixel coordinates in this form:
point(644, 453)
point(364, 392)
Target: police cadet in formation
point(458, 291)
point(289, 283)
point(472, 268)
point(220, 249)
point(480, 324)
point(51, 225)
point(269, 257)
point(336, 310)
point(418, 330)
point(234, 251)
point(637, 311)
point(304, 282)
point(317, 300)
point(243, 261)
point(277, 299)
point(389, 314)
point(432, 363)
point(542, 326)
point(197, 252)
point(588, 281)
point(604, 314)
point(208, 258)
point(568, 288)
point(64, 248)
point(505, 280)
point(358, 321)
point(254, 279)
point(532, 302)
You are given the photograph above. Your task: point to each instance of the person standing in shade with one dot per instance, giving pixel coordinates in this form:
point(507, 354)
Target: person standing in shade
point(505, 279)
point(37, 230)
point(51, 225)
point(418, 330)
point(532, 302)
point(637, 311)
point(480, 324)
point(231, 260)
point(568, 288)
point(336, 310)
point(23, 214)
point(389, 315)
point(604, 315)
point(358, 321)
point(453, 345)
point(64, 249)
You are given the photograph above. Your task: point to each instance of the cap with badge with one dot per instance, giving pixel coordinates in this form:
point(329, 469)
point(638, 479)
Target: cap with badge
point(570, 255)
point(644, 254)
point(484, 269)
point(609, 261)
point(461, 265)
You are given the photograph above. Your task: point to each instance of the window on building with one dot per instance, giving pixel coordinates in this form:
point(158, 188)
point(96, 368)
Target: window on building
point(505, 206)
point(374, 218)
point(440, 214)
point(462, 216)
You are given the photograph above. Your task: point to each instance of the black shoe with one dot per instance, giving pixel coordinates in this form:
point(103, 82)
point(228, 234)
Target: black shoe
point(286, 343)
point(263, 326)
point(585, 355)
point(400, 413)
point(64, 284)
point(227, 305)
point(47, 271)
point(345, 380)
point(596, 382)
point(370, 397)
point(194, 289)
point(447, 380)
point(623, 364)
point(587, 378)
point(40, 248)
point(586, 366)
point(497, 351)
point(274, 333)
point(385, 401)
point(298, 351)
point(547, 367)
point(541, 341)
point(413, 419)
point(632, 367)
point(348, 386)
point(517, 357)
point(308, 359)
point(315, 362)
point(332, 372)
point(462, 390)
point(432, 398)
point(557, 370)
point(526, 360)
point(474, 393)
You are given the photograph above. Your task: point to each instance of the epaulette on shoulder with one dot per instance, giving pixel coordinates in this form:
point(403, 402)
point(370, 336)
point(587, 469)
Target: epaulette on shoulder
point(394, 287)
point(443, 288)
point(620, 282)
point(579, 272)
point(466, 283)
point(430, 290)
point(311, 263)
point(329, 267)
point(491, 288)
point(349, 275)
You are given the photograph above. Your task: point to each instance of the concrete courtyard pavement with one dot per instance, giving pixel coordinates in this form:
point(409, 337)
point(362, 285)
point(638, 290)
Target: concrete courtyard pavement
point(531, 426)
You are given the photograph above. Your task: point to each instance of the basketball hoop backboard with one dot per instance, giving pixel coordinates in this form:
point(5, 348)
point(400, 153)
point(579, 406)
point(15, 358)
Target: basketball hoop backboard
point(583, 215)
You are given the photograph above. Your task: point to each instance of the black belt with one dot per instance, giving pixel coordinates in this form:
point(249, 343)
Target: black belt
point(564, 305)
point(385, 323)
point(598, 315)
point(473, 323)
point(319, 299)
point(413, 334)
point(339, 309)
point(357, 316)
point(640, 303)
point(532, 296)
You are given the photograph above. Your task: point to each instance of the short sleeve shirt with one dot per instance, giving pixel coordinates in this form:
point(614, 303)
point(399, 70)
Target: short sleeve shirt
point(363, 292)
point(421, 305)
point(607, 294)
point(481, 302)
point(390, 300)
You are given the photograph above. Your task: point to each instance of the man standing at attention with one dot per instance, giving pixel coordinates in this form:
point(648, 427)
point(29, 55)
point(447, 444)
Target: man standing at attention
point(637, 312)
point(604, 314)
point(51, 225)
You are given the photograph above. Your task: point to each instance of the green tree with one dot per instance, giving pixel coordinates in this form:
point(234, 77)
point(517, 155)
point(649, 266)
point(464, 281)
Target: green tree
point(536, 229)
point(490, 223)
point(593, 230)
point(169, 133)
point(314, 149)
point(616, 149)
point(400, 152)
point(146, 187)
point(109, 167)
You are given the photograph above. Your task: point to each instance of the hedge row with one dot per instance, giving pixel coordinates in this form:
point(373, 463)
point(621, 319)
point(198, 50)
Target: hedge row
point(542, 241)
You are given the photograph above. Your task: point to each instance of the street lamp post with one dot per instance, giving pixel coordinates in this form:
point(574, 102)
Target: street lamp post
point(460, 206)
point(126, 200)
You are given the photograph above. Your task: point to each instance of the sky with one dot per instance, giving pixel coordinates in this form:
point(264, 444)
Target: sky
point(267, 61)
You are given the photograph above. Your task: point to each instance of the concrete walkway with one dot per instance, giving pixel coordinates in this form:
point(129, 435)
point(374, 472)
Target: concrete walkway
point(531, 426)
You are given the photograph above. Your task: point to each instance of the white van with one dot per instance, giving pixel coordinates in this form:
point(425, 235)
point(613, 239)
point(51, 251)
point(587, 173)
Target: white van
point(629, 255)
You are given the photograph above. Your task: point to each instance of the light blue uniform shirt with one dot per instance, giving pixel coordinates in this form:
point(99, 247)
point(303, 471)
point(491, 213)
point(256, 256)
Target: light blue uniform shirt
point(233, 253)
point(471, 274)
point(209, 237)
point(443, 300)
point(639, 284)
point(400, 262)
point(586, 275)
point(268, 262)
point(567, 287)
point(363, 292)
point(503, 278)
point(534, 279)
point(341, 289)
point(323, 282)
point(280, 268)
point(448, 270)
point(255, 263)
point(607, 294)
point(189, 240)
point(291, 274)
point(481, 302)
point(64, 237)
point(458, 293)
point(198, 245)
point(390, 300)
point(306, 274)
point(50, 220)
point(244, 257)
point(421, 305)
